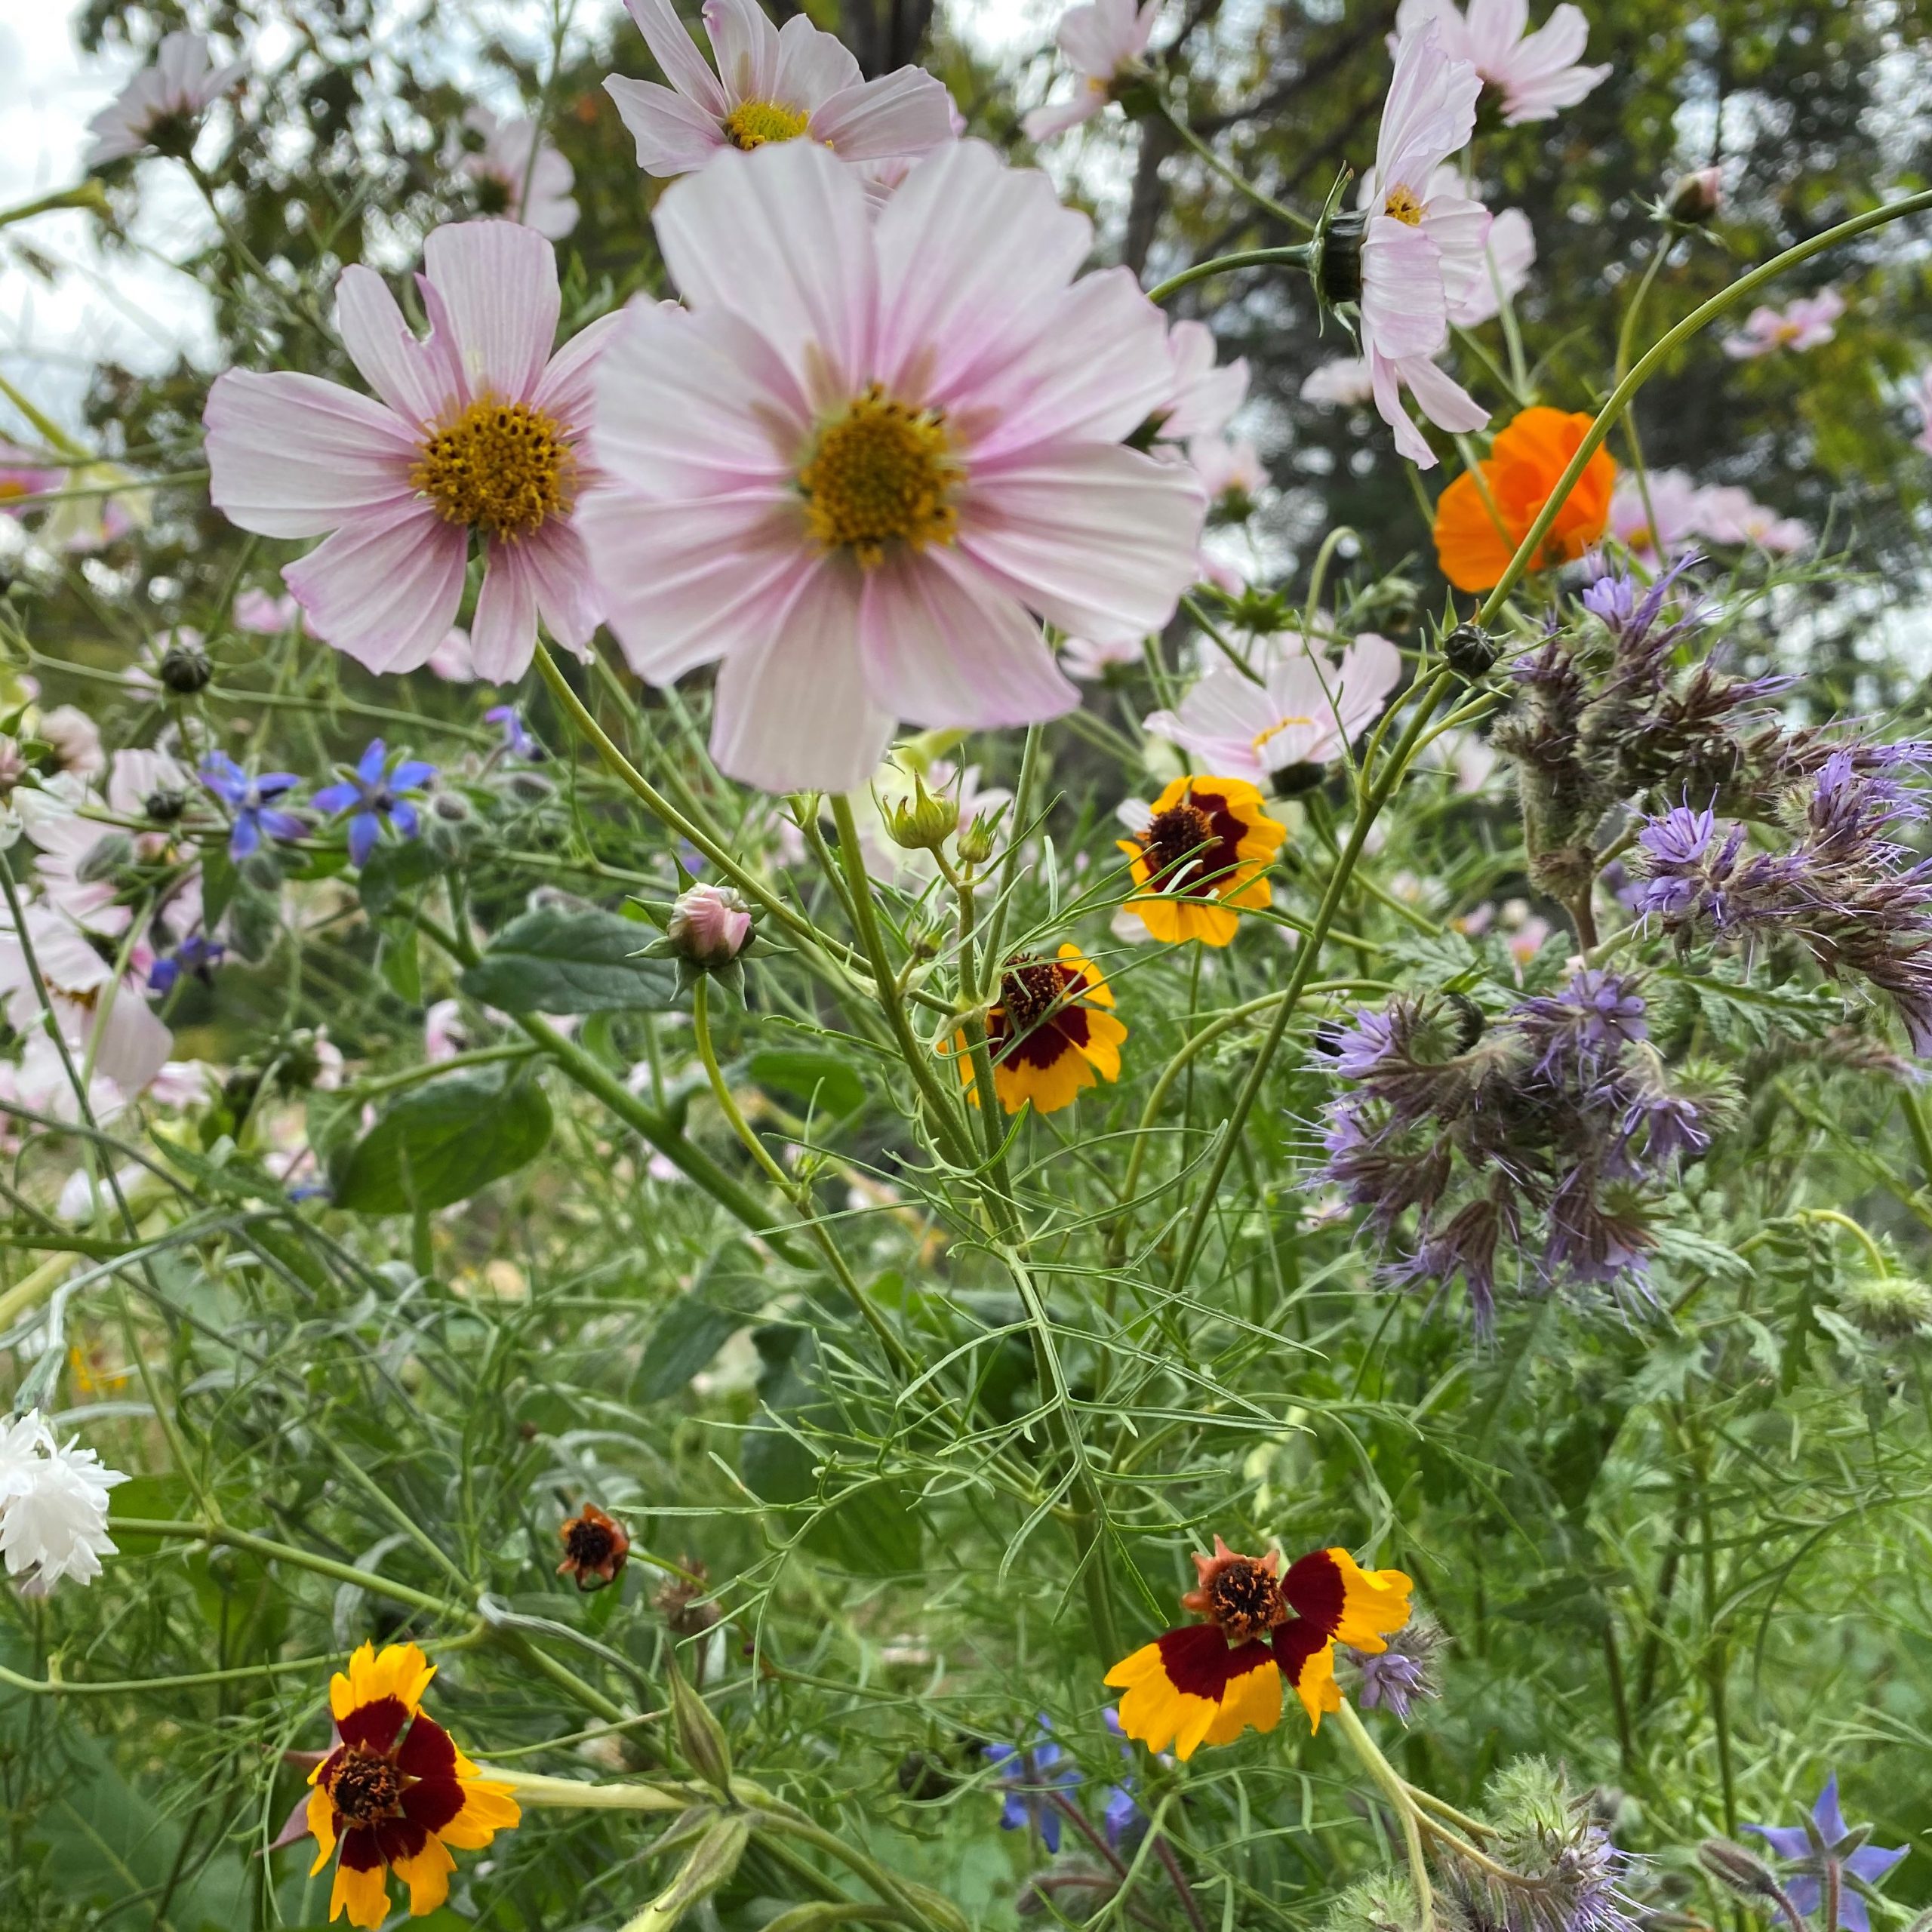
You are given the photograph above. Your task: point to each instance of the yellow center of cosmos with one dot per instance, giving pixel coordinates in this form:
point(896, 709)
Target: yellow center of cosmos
point(1402, 203)
point(752, 123)
point(881, 472)
point(502, 468)
point(1274, 731)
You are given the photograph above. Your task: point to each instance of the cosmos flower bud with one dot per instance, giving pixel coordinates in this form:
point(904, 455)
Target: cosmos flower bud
point(184, 668)
point(14, 765)
point(1696, 197)
point(1338, 261)
point(922, 822)
point(976, 842)
point(709, 925)
point(700, 1737)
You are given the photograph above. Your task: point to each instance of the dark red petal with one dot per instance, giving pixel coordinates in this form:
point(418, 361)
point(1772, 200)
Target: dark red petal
point(433, 1803)
point(426, 1752)
point(377, 1724)
point(332, 1763)
point(1314, 1589)
point(400, 1838)
point(360, 1851)
point(1199, 1663)
point(1295, 1642)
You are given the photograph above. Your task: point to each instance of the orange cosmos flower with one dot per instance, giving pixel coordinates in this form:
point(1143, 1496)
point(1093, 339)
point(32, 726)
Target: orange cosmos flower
point(1204, 849)
point(1052, 1032)
point(1206, 1683)
point(395, 1799)
point(1483, 516)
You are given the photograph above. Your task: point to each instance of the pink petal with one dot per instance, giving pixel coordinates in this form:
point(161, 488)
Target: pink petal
point(745, 45)
point(674, 136)
point(502, 634)
point(1098, 539)
point(1410, 442)
point(384, 590)
point(942, 646)
point(798, 266)
point(670, 47)
point(130, 1046)
point(1430, 112)
point(1044, 123)
point(683, 582)
point(1460, 228)
point(793, 713)
point(971, 253)
point(568, 384)
point(498, 281)
point(418, 379)
point(812, 67)
point(908, 113)
point(1096, 372)
point(1404, 309)
point(292, 456)
point(1443, 400)
point(559, 563)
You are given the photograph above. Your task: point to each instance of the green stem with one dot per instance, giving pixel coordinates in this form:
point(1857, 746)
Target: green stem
point(1300, 255)
point(283, 1553)
point(1396, 1790)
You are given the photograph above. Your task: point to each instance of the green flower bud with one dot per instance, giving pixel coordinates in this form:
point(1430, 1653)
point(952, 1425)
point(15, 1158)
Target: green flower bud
point(922, 822)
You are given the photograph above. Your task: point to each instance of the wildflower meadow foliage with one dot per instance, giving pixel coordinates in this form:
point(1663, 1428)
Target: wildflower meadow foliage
point(951, 979)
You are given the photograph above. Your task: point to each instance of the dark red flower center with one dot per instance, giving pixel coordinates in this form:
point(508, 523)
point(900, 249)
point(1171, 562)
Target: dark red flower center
point(1244, 1599)
point(589, 1543)
point(366, 1786)
point(1036, 1019)
point(1192, 848)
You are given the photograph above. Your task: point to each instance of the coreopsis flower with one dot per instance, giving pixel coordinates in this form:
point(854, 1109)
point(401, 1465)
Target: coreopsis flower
point(1532, 74)
point(372, 793)
point(1305, 713)
point(1655, 515)
point(1030, 1778)
point(1422, 248)
point(472, 439)
point(509, 182)
point(596, 1548)
point(253, 798)
point(1199, 854)
point(1345, 383)
point(395, 1795)
point(1803, 324)
point(872, 452)
point(1205, 1683)
point(1051, 1033)
point(161, 107)
point(52, 1506)
point(1480, 518)
point(1102, 42)
point(772, 84)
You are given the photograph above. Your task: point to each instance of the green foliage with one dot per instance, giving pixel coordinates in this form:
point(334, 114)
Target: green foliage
point(443, 1142)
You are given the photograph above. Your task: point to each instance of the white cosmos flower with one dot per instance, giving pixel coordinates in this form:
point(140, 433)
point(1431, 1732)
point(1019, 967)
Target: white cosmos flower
point(54, 1517)
point(1422, 249)
point(1509, 251)
point(1102, 42)
point(1344, 382)
point(1536, 73)
point(163, 102)
point(503, 169)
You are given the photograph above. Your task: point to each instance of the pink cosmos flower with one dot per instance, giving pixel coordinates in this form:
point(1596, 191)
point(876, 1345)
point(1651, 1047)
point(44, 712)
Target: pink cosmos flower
point(1102, 42)
point(503, 170)
point(871, 453)
point(1307, 711)
point(161, 106)
point(1655, 517)
point(443, 1034)
point(94, 520)
point(1509, 253)
point(21, 475)
point(475, 433)
point(453, 660)
point(1421, 251)
point(1231, 471)
point(264, 614)
point(1204, 394)
point(773, 84)
point(97, 1013)
point(1727, 514)
point(1344, 382)
point(75, 740)
point(1536, 73)
point(1803, 324)
point(1923, 402)
point(1081, 657)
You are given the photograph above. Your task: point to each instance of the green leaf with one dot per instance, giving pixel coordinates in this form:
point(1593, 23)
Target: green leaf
point(688, 1334)
point(397, 868)
point(400, 963)
point(817, 1078)
point(442, 1143)
point(551, 961)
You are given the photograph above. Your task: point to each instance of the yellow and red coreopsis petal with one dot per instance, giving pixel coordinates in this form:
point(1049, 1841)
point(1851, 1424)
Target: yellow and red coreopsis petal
point(380, 1694)
point(1308, 1661)
point(1353, 1606)
point(1189, 1688)
point(361, 1887)
point(1206, 849)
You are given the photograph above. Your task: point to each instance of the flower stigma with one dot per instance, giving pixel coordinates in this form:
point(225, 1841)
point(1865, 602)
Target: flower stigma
point(1402, 204)
point(753, 123)
point(502, 468)
point(881, 472)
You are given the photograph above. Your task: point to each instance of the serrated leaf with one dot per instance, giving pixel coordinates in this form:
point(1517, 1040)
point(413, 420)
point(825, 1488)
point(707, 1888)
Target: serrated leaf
point(444, 1142)
point(554, 961)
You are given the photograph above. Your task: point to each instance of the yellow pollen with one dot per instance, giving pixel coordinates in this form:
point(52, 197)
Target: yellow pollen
point(1275, 730)
point(880, 471)
point(1402, 204)
point(502, 468)
point(751, 123)
point(9, 489)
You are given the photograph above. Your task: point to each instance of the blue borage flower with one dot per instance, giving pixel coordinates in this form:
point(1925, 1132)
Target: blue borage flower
point(1030, 1777)
point(1823, 1839)
point(372, 793)
point(254, 802)
point(196, 956)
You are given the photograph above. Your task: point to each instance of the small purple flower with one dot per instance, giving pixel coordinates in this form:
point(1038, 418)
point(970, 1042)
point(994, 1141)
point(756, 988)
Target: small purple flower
point(1121, 1817)
point(196, 956)
point(517, 739)
point(252, 801)
point(1594, 1016)
point(373, 794)
point(1030, 1776)
point(1612, 597)
point(1370, 1038)
point(1810, 1846)
point(1679, 838)
point(1671, 1128)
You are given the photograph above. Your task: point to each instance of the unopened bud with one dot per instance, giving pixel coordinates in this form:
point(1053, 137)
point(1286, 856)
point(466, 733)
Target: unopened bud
point(14, 765)
point(976, 842)
point(709, 925)
point(700, 1737)
point(184, 668)
point(105, 859)
point(450, 807)
point(1695, 198)
point(1732, 1866)
point(1338, 272)
point(713, 1861)
point(164, 805)
point(922, 822)
point(1469, 651)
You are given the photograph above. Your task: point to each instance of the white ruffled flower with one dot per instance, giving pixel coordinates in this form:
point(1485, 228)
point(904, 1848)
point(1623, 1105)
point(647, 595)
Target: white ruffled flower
point(52, 1506)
